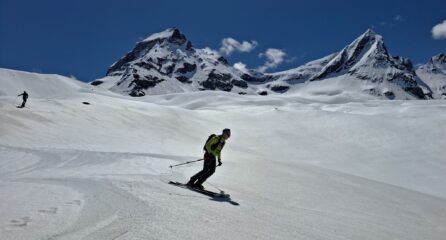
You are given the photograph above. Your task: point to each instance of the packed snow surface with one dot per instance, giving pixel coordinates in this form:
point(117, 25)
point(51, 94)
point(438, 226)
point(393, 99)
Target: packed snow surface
point(314, 164)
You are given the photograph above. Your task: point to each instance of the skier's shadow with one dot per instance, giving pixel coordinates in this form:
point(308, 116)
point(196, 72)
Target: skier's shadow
point(220, 199)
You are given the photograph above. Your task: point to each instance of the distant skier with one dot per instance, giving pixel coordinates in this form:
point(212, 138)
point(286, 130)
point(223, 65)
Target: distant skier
point(25, 97)
point(212, 149)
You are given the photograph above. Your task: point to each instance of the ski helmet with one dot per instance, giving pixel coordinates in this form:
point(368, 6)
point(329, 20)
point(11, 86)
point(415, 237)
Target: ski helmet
point(227, 131)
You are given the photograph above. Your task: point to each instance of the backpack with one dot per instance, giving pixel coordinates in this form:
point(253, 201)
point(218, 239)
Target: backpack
point(213, 147)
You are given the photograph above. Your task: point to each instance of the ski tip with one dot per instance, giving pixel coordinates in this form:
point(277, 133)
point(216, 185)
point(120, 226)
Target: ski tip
point(175, 183)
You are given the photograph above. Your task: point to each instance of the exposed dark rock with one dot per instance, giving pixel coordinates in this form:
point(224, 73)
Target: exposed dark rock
point(189, 46)
point(263, 93)
point(223, 60)
point(209, 84)
point(266, 78)
point(140, 83)
point(416, 91)
point(403, 63)
point(239, 83)
point(334, 67)
point(187, 67)
point(389, 95)
point(218, 81)
point(183, 79)
point(140, 49)
point(213, 85)
point(177, 37)
point(146, 65)
point(250, 78)
point(357, 51)
point(137, 93)
point(170, 68)
point(96, 83)
point(373, 91)
point(280, 89)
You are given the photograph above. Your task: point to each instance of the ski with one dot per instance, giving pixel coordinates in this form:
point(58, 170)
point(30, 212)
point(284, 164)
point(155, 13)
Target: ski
point(202, 191)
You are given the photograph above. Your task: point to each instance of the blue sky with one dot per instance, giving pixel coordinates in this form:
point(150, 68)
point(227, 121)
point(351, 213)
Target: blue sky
point(83, 38)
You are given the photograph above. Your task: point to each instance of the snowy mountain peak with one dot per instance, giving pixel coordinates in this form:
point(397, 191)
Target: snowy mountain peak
point(439, 62)
point(166, 34)
point(440, 58)
point(171, 35)
point(170, 39)
point(369, 32)
point(433, 73)
point(368, 36)
point(365, 50)
point(166, 62)
point(369, 45)
point(436, 65)
point(367, 61)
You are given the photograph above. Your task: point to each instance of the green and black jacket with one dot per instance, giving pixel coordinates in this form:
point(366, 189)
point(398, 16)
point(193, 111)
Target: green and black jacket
point(215, 145)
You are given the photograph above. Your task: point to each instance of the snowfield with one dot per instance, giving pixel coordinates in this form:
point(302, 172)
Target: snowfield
point(314, 164)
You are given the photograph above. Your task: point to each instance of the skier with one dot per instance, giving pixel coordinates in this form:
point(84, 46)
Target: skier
point(212, 149)
point(25, 97)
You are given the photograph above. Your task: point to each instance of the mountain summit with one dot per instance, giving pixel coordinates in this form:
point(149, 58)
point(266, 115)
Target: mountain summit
point(171, 37)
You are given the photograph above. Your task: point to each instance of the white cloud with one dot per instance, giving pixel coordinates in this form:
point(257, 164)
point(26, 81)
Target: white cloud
point(210, 51)
point(399, 18)
point(230, 45)
point(391, 23)
point(274, 57)
point(439, 31)
point(241, 66)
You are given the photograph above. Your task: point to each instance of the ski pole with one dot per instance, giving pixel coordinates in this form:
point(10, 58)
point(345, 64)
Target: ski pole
point(171, 166)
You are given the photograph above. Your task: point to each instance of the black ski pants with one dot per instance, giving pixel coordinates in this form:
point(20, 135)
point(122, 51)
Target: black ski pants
point(23, 103)
point(209, 165)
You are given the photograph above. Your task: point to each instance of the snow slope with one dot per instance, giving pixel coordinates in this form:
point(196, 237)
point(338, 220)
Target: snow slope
point(13, 82)
point(297, 166)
